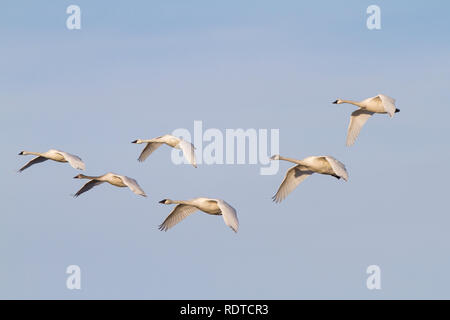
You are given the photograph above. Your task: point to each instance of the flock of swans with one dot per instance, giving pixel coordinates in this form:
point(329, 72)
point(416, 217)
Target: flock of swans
point(326, 165)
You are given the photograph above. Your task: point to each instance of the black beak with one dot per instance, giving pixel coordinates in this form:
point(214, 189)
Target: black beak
point(21, 153)
point(162, 201)
point(76, 177)
point(397, 110)
point(135, 141)
point(335, 102)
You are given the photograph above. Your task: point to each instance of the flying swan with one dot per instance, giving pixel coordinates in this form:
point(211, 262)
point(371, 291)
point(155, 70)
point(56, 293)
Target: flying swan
point(210, 206)
point(304, 168)
point(55, 155)
point(367, 107)
point(111, 178)
point(170, 140)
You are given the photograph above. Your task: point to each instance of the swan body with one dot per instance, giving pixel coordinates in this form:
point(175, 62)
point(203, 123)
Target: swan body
point(210, 206)
point(170, 140)
point(379, 104)
point(111, 178)
point(304, 168)
point(55, 155)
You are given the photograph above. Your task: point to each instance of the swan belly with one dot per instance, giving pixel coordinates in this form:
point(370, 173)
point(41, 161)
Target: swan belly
point(210, 207)
point(57, 157)
point(115, 181)
point(322, 166)
point(375, 105)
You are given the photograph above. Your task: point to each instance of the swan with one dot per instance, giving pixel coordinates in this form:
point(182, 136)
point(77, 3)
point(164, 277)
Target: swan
point(210, 206)
point(304, 168)
point(55, 155)
point(170, 140)
point(112, 178)
point(378, 104)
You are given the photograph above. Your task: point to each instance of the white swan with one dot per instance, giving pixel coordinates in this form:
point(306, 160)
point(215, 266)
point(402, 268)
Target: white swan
point(378, 104)
point(55, 155)
point(304, 168)
point(175, 142)
point(210, 206)
point(112, 178)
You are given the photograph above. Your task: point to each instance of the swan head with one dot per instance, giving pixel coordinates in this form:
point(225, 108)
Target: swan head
point(79, 176)
point(137, 141)
point(165, 201)
point(20, 153)
point(338, 101)
point(275, 157)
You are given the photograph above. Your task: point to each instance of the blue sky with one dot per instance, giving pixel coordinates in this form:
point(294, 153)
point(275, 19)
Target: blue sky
point(145, 69)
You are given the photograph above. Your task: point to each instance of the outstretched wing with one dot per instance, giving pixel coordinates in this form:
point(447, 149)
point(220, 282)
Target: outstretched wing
point(133, 185)
point(294, 176)
point(229, 215)
point(388, 104)
point(357, 120)
point(338, 167)
point(188, 152)
point(38, 159)
point(180, 212)
point(73, 160)
point(88, 186)
point(148, 150)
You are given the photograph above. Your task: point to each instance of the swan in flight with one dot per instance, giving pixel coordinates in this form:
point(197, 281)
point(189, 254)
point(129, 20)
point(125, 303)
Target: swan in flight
point(367, 107)
point(112, 178)
point(210, 206)
point(55, 155)
point(170, 140)
point(304, 168)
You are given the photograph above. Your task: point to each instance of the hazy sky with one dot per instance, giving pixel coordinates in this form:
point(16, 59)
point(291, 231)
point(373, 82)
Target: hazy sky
point(140, 69)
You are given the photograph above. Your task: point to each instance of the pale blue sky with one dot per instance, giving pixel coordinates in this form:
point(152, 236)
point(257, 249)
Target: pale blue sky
point(144, 69)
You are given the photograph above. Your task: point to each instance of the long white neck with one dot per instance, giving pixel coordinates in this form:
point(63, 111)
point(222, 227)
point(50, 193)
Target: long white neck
point(33, 153)
point(177, 202)
point(356, 103)
point(291, 160)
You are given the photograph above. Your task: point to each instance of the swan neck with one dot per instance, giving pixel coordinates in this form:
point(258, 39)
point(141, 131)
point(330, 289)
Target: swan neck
point(82, 176)
point(32, 153)
point(291, 160)
point(177, 202)
point(356, 103)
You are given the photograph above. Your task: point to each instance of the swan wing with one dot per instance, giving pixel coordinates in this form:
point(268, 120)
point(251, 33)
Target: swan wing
point(133, 185)
point(388, 104)
point(88, 186)
point(357, 121)
point(73, 160)
point(188, 152)
point(294, 176)
point(338, 167)
point(180, 212)
point(229, 215)
point(148, 150)
point(38, 159)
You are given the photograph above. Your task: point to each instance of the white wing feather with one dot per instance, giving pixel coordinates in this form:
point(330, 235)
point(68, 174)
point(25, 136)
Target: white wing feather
point(294, 176)
point(357, 121)
point(388, 104)
point(188, 151)
point(133, 185)
point(148, 150)
point(229, 215)
point(338, 167)
point(180, 212)
point(73, 160)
